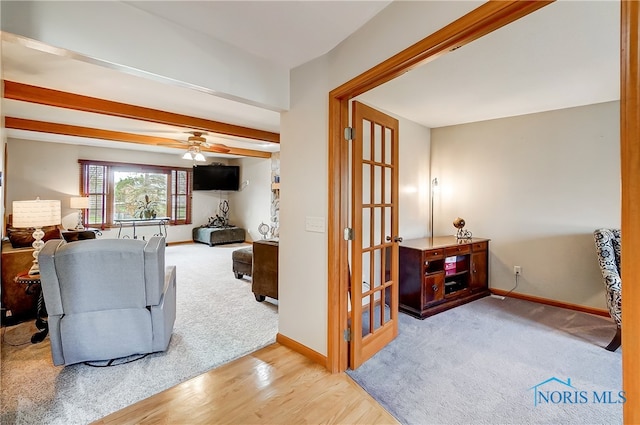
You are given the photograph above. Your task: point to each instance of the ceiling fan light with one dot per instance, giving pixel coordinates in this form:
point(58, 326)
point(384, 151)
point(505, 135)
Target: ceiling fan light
point(187, 155)
point(199, 157)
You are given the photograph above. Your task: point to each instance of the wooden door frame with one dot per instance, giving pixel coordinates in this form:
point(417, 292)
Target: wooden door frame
point(479, 22)
point(630, 179)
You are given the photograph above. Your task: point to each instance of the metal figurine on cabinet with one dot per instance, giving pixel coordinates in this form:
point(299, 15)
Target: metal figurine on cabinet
point(459, 223)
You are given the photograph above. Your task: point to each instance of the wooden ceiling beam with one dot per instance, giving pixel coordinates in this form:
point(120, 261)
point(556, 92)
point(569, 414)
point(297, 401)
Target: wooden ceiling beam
point(44, 96)
point(114, 136)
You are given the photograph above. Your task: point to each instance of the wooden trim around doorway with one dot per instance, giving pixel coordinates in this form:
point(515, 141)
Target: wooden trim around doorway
point(630, 170)
point(477, 23)
point(489, 17)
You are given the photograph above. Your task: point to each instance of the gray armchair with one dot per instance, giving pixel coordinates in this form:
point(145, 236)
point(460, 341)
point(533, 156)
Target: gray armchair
point(107, 298)
point(608, 250)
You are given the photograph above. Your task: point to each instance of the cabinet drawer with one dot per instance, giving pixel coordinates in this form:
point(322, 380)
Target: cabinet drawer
point(457, 250)
point(434, 254)
point(479, 246)
point(433, 288)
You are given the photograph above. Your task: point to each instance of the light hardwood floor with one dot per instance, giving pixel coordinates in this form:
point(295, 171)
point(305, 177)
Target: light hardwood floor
point(274, 385)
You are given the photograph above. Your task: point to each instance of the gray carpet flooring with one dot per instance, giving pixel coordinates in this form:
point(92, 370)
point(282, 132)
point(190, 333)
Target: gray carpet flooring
point(218, 320)
point(478, 364)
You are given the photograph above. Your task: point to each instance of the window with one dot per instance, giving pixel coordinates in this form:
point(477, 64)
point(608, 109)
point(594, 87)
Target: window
point(122, 191)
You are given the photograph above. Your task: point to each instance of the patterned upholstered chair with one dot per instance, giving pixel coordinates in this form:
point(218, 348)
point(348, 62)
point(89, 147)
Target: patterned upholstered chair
point(608, 250)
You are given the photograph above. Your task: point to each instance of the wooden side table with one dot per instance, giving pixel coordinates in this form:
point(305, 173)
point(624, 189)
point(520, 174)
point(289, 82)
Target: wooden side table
point(33, 284)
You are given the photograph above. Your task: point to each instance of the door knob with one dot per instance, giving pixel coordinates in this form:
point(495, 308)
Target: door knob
point(395, 239)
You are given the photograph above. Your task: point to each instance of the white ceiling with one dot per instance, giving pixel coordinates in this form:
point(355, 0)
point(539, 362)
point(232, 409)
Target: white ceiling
point(566, 54)
point(289, 33)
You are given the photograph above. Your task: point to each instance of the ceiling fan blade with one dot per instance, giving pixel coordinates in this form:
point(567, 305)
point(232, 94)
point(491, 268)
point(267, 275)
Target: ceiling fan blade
point(171, 143)
point(180, 146)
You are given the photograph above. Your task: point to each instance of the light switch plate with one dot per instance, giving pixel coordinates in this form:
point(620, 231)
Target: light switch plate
point(314, 224)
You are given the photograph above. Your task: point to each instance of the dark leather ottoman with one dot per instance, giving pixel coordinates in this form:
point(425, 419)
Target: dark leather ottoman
point(217, 235)
point(242, 259)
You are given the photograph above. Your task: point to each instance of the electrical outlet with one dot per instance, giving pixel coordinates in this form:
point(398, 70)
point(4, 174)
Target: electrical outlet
point(517, 270)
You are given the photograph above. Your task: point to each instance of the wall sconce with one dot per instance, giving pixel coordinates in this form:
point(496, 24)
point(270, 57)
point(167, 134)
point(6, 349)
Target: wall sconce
point(79, 203)
point(434, 189)
point(36, 214)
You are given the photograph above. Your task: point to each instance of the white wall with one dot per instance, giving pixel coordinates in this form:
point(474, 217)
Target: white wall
point(304, 145)
point(395, 28)
point(538, 186)
point(118, 33)
point(414, 162)
point(304, 161)
point(252, 204)
point(51, 171)
point(302, 291)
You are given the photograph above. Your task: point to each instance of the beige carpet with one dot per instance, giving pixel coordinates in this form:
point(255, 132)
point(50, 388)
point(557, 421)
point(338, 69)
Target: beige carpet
point(218, 320)
point(498, 362)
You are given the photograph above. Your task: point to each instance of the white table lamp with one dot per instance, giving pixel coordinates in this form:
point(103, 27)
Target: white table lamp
point(79, 203)
point(36, 214)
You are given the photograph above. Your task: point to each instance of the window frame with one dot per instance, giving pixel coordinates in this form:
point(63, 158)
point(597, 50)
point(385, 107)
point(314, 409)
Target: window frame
point(106, 193)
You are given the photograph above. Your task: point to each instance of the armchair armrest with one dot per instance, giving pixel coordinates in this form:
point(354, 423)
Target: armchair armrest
point(163, 315)
point(49, 278)
point(154, 269)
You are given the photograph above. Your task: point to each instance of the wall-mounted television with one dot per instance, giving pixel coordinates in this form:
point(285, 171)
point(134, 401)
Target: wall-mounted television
point(216, 177)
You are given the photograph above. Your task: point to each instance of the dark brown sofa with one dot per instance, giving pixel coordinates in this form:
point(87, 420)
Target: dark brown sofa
point(264, 278)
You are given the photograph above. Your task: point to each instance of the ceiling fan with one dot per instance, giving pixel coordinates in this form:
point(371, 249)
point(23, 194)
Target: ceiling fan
point(196, 142)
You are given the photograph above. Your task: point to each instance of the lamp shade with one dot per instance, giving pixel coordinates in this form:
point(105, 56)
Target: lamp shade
point(38, 213)
point(79, 202)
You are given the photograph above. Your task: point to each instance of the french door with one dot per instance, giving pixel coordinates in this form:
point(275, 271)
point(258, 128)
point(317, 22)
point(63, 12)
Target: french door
point(374, 220)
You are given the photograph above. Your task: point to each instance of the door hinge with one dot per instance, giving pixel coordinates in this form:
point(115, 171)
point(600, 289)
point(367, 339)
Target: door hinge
point(348, 133)
point(348, 234)
point(347, 334)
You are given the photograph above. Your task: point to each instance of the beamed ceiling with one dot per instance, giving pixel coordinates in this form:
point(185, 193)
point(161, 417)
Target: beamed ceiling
point(564, 55)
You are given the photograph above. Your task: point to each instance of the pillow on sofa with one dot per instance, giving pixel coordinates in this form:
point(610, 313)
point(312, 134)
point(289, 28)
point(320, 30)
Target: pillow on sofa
point(22, 238)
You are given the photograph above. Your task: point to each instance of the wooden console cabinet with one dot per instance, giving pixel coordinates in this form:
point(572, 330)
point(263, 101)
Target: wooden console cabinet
point(440, 273)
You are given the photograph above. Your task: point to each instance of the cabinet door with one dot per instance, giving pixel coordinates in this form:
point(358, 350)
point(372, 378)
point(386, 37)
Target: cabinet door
point(478, 270)
point(433, 288)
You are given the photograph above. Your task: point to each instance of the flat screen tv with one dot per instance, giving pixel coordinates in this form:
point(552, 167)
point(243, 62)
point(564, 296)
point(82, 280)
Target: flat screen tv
point(216, 177)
